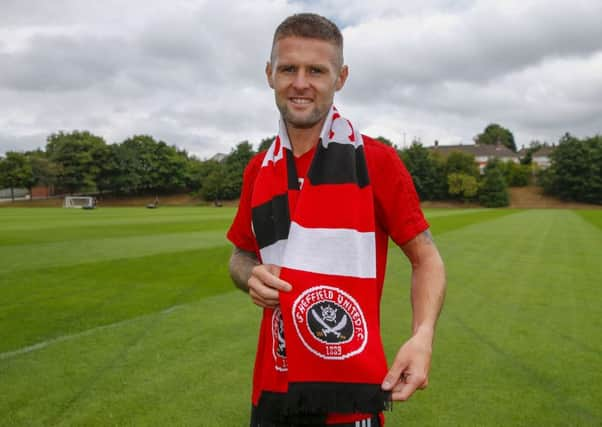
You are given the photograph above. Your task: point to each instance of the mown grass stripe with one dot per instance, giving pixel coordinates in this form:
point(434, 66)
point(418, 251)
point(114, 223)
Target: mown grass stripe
point(104, 231)
point(84, 333)
point(92, 221)
point(35, 256)
point(594, 217)
point(79, 297)
point(434, 213)
point(443, 224)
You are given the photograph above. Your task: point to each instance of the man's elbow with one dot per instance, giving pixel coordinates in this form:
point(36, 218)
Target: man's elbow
point(240, 267)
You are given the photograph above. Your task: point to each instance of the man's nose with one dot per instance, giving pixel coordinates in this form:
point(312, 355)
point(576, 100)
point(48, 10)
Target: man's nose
point(300, 82)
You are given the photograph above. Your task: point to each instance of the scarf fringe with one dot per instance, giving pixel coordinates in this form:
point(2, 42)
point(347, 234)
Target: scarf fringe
point(310, 402)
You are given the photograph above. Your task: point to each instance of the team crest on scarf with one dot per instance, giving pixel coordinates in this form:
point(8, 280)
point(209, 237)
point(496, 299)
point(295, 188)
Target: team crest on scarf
point(330, 323)
point(278, 342)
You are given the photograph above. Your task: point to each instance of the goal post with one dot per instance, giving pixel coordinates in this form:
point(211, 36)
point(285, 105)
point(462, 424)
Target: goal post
point(81, 202)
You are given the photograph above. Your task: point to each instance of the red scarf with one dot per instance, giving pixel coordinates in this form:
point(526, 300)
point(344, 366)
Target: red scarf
point(321, 351)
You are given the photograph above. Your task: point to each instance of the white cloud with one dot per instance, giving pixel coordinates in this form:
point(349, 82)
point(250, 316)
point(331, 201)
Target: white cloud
point(191, 72)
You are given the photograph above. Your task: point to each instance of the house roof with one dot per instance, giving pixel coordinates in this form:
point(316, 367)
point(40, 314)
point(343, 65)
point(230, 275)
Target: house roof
point(477, 150)
point(544, 151)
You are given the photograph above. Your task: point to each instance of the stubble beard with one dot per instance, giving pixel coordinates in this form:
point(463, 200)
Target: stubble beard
point(307, 122)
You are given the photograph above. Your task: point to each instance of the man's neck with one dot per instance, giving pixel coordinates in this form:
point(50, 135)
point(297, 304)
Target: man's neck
point(303, 140)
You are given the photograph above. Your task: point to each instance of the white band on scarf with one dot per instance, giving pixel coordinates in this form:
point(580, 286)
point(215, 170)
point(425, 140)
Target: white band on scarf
point(337, 251)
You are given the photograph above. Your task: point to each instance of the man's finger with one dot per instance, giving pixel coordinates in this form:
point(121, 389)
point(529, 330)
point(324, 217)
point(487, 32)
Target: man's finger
point(394, 375)
point(261, 301)
point(261, 289)
point(266, 275)
point(404, 391)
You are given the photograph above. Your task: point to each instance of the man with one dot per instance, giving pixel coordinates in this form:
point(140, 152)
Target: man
point(310, 238)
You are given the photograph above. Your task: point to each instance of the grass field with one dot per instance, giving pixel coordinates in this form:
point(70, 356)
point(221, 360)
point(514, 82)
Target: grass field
point(126, 316)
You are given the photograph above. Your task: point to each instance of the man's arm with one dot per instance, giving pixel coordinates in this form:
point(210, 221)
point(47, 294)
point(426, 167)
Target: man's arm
point(411, 366)
point(259, 280)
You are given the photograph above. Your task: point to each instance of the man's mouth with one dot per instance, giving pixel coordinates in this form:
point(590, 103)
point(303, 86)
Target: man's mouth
point(300, 101)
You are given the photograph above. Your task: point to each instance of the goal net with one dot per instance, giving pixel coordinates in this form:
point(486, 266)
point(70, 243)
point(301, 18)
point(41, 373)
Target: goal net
point(78, 202)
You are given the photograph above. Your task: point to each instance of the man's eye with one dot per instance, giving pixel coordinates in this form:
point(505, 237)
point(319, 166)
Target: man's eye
point(288, 69)
point(316, 71)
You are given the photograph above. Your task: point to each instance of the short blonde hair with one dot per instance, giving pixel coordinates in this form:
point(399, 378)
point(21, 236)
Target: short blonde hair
point(311, 26)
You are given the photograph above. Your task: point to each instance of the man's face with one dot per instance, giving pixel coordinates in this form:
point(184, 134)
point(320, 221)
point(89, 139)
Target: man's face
point(305, 74)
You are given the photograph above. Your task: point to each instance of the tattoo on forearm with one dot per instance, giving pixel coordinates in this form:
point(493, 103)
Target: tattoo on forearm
point(240, 266)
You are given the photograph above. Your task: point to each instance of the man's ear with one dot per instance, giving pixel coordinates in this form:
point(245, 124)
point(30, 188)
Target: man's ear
point(268, 73)
point(342, 78)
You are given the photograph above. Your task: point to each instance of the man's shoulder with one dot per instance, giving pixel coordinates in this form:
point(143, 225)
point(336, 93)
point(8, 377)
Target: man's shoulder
point(258, 158)
point(255, 163)
point(376, 150)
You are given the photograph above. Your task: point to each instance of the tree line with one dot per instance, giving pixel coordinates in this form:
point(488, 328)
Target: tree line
point(79, 162)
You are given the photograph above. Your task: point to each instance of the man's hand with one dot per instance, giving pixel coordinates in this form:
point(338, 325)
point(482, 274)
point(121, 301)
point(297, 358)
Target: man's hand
point(261, 281)
point(410, 368)
point(264, 285)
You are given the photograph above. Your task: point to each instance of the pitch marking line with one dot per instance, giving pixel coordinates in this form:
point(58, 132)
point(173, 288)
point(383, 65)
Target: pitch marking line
point(44, 344)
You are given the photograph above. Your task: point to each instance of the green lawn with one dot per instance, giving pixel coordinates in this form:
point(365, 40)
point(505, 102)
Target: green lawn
point(126, 316)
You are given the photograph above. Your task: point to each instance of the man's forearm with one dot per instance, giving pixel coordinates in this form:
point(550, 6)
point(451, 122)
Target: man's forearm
point(240, 266)
point(428, 282)
point(428, 292)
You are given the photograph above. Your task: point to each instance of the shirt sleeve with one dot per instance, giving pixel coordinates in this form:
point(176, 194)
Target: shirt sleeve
point(396, 201)
point(240, 232)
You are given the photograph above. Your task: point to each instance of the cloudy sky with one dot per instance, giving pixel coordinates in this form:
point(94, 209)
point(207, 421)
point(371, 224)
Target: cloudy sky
point(190, 72)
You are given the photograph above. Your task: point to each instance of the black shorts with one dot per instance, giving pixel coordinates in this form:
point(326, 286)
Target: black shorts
point(373, 421)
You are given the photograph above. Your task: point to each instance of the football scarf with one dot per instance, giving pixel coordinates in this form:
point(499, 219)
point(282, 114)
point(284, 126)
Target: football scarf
point(320, 352)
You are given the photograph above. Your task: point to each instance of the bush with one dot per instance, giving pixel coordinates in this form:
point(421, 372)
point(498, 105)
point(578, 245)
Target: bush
point(462, 185)
point(427, 171)
point(493, 192)
point(576, 170)
point(516, 175)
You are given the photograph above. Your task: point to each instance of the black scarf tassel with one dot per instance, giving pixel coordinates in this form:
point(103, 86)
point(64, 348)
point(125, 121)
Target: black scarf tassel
point(309, 403)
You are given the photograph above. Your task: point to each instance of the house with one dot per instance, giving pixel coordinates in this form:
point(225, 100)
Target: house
point(42, 191)
point(541, 157)
point(482, 152)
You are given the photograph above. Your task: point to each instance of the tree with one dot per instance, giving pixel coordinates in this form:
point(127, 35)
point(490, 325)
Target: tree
point(459, 162)
point(462, 185)
point(515, 174)
point(15, 172)
point(427, 171)
point(44, 170)
point(234, 165)
point(214, 181)
point(495, 134)
point(195, 174)
point(104, 158)
point(493, 191)
point(534, 146)
point(575, 172)
point(77, 157)
point(143, 165)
